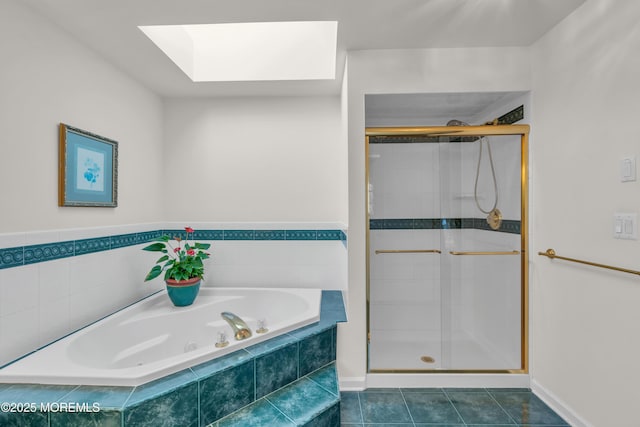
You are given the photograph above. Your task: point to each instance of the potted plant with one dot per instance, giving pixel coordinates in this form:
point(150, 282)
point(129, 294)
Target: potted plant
point(183, 265)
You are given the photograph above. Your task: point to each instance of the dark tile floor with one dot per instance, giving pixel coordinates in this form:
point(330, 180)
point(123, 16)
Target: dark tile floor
point(445, 407)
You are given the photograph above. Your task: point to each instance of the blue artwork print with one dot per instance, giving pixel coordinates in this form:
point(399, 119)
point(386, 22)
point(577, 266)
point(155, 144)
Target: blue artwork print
point(92, 171)
point(90, 166)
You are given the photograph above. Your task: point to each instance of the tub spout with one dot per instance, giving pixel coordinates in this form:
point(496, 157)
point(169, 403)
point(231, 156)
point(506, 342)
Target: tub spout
point(240, 328)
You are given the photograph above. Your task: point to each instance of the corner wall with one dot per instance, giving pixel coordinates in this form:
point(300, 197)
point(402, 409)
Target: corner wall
point(585, 320)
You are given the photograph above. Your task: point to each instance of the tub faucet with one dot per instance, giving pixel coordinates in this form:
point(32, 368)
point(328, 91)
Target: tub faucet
point(240, 328)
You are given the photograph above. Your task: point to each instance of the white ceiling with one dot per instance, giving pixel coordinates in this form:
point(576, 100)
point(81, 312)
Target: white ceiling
point(111, 29)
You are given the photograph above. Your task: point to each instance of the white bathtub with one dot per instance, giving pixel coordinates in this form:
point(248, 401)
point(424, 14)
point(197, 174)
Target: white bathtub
point(152, 339)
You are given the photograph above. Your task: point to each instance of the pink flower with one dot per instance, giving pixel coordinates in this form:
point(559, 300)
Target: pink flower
point(189, 229)
point(176, 250)
point(191, 252)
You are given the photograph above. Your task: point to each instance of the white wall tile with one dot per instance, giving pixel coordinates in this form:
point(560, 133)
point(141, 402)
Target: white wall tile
point(18, 289)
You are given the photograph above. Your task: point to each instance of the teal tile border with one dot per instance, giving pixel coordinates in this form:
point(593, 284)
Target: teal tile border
point(507, 226)
point(24, 255)
point(180, 386)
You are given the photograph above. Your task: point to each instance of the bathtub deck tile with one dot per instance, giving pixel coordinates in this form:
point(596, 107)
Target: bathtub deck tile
point(37, 393)
point(313, 329)
point(161, 386)
point(271, 345)
point(221, 363)
point(177, 408)
point(332, 306)
point(106, 397)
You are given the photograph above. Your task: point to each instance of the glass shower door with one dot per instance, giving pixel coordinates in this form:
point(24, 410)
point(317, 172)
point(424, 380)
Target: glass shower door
point(444, 288)
point(405, 319)
point(481, 267)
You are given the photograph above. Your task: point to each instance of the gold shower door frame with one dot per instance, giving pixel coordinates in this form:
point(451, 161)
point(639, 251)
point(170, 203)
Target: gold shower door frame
point(459, 131)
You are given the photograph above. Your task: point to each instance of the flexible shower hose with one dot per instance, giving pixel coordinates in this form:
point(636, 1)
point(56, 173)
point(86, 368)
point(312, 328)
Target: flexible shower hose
point(493, 174)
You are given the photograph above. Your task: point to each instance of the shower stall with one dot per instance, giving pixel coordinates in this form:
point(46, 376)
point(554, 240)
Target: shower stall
point(447, 271)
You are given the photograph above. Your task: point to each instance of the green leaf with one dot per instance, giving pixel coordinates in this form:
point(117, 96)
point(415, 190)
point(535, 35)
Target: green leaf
point(155, 272)
point(162, 259)
point(155, 247)
point(202, 245)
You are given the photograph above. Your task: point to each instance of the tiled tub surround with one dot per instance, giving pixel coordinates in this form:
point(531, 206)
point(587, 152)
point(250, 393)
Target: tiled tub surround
point(289, 380)
point(152, 339)
point(55, 282)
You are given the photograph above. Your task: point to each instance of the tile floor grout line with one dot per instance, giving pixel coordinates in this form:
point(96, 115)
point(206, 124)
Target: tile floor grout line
point(505, 411)
point(360, 407)
point(407, 406)
point(454, 406)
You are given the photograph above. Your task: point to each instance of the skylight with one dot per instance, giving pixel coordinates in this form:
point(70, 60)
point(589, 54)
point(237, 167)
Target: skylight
point(250, 51)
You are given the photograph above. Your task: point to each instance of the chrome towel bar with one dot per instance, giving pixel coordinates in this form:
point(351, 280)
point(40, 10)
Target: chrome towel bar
point(407, 251)
point(486, 253)
point(550, 253)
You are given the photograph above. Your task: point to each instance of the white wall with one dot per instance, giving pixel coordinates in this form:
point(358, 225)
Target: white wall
point(585, 321)
point(405, 71)
point(256, 159)
point(47, 78)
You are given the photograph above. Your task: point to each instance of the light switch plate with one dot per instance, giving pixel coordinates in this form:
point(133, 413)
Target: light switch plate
point(628, 169)
point(625, 226)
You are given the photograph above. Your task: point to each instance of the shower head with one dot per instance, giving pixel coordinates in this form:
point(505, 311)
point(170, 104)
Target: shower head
point(455, 122)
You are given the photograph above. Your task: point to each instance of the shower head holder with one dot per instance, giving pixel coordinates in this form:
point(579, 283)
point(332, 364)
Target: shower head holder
point(494, 219)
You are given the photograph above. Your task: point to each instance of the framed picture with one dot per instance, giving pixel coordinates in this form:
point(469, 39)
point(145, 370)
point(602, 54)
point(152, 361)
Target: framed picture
point(88, 169)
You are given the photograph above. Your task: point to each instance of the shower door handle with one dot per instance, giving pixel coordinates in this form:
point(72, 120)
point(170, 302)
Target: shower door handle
point(408, 251)
point(486, 253)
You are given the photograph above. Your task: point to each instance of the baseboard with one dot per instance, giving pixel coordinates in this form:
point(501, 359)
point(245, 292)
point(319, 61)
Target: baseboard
point(448, 380)
point(352, 383)
point(558, 405)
